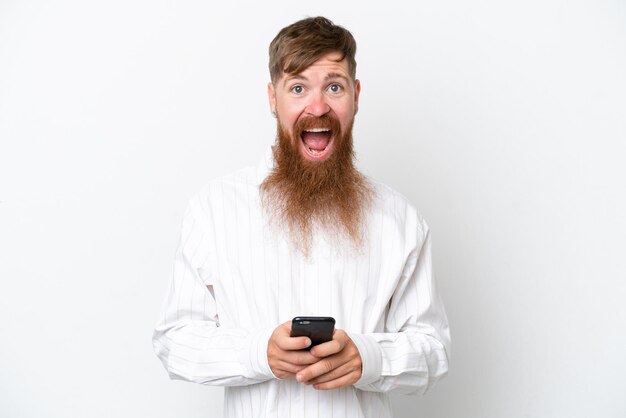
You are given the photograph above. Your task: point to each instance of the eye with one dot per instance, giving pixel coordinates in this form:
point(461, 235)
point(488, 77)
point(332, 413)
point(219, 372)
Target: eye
point(335, 88)
point(297, 89)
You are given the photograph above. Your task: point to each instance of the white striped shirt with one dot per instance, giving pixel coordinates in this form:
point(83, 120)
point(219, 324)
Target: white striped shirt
point(235, 281)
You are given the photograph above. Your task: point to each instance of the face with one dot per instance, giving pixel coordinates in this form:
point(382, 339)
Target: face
point(324, 90)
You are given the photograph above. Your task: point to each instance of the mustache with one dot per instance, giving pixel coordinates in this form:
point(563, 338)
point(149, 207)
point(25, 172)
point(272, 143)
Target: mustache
point(313, 122)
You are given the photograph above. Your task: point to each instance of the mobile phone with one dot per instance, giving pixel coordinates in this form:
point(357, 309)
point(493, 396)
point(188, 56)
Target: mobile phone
point(318, 328)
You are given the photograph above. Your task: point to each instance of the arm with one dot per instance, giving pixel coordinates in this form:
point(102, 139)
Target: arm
point(414, 352)
point(188, 339)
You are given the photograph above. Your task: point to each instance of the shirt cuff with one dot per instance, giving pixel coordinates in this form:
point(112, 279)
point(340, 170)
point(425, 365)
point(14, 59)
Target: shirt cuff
point(254, 358)
point(371, 358)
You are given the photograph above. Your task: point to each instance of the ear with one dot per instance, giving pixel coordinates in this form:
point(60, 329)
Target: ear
point(357, 91)
point(271, 95)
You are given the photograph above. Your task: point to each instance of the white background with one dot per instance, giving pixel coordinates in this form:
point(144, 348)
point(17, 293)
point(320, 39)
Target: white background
point(504, 122)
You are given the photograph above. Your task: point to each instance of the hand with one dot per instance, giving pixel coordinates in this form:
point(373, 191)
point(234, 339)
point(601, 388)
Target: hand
point(340, 364)
point(284, 355)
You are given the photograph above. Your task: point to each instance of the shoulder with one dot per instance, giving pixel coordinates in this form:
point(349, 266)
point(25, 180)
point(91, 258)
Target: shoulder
point(395, 206)
point(220, 192)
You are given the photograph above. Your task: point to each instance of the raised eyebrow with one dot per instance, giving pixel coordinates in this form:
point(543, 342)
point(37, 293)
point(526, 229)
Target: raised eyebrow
point(331, 76)
point(295, 77)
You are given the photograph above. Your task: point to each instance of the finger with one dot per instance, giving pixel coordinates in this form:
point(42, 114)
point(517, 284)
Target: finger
point(283, 330)
point(299, 357)
point(344, 380)
point(286, 326)
point(285, 341)
point(288, 367)
point(338, 343)
point(334, 374)
point(328, 348)
point(292, 343)
point(314, 370)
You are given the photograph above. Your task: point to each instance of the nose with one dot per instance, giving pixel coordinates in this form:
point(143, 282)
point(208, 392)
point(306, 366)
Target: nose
point(317, 105)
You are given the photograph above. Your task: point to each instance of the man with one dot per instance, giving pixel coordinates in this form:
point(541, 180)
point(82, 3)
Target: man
point(304, 233)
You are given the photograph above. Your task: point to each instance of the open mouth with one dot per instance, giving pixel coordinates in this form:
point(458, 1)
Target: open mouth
point(317, 142)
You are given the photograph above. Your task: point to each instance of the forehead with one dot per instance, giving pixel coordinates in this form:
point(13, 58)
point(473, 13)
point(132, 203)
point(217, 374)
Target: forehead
point(322, 68)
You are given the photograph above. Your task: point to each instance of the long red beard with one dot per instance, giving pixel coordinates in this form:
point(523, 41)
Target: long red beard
point(305, 196)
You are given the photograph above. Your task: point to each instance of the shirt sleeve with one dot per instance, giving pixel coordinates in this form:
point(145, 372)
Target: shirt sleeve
point(413, 353)
point(188, 339)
